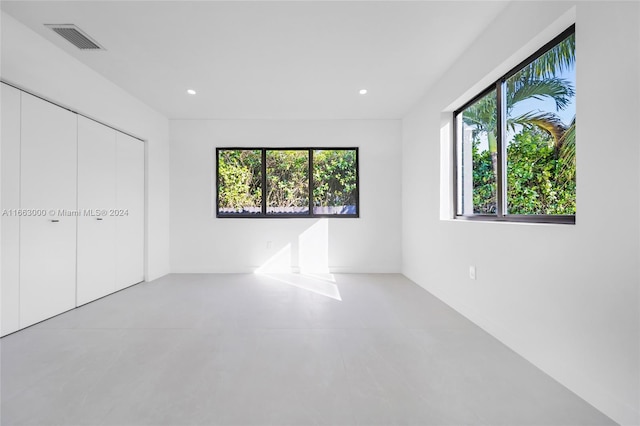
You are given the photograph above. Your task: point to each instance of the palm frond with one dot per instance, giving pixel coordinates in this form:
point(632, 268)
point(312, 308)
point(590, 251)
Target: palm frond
point(567, 145)
point(520, 88)
point(549, 122)
point(557, 59)
point(482, 114)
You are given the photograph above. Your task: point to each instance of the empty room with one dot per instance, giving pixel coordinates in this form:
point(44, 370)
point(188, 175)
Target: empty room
point(320, 213)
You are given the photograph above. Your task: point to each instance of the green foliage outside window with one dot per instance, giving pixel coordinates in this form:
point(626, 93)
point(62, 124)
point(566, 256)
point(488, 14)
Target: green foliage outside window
point(239, 179)
point(539, 181)
point(287, 178)
point(484, 181)
point(334, 178)
point(287, 181)
point(540, 150)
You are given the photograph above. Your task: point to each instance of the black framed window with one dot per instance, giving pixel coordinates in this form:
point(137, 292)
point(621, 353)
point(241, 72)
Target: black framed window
point(514, 153)
point(287, 182)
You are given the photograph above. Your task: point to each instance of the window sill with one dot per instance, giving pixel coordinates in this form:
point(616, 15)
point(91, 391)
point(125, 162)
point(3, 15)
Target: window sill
point(518, 220)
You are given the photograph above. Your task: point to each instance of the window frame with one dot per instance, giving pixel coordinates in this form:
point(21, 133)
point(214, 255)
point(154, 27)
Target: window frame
point(263, 213)
point(499, 86)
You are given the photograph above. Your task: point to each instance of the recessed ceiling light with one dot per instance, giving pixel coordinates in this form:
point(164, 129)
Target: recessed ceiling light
point(363, 91)
point(191, 92)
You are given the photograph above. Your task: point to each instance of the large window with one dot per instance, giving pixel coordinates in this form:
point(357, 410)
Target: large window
point(285, 182)
point(515, 142)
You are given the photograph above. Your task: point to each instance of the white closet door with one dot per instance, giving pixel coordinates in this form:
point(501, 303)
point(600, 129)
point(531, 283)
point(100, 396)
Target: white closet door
point(10, 200)
point(130, 201)
point(96, 194)
point(48, 182)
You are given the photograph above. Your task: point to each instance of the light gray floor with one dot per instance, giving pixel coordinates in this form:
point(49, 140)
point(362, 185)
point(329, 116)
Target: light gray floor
point(276, 350)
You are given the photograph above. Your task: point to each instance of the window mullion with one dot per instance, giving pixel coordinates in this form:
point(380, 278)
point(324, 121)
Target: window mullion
point(218, 183)
point(501, 151)
point(310, 182)
point(264, 182)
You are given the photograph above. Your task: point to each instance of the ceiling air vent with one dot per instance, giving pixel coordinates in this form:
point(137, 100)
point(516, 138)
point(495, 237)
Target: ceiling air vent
point(75, 36)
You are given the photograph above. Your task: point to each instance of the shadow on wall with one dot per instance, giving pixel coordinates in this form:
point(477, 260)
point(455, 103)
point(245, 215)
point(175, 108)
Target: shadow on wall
point(304, 262)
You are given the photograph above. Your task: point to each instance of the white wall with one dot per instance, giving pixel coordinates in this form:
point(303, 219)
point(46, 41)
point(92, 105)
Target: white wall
point(36, 65)
point(202, 243)
point(565, 297)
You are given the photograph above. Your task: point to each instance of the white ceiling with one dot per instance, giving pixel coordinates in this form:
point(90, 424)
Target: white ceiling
point(293, 59)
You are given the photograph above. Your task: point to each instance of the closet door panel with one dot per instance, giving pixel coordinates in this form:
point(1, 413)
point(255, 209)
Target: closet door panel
point(48, 183)
point(10, 201)
point(130, 199)
point(96, 195)
point(47, 268)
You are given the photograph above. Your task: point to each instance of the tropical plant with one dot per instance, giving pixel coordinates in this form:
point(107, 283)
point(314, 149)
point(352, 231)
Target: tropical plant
point(538, 80)
point(334, 178)
point(287, 179)
point(239, 179)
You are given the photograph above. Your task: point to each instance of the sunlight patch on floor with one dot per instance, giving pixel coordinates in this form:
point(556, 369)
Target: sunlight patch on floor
point(305, 263)
point(317, 284)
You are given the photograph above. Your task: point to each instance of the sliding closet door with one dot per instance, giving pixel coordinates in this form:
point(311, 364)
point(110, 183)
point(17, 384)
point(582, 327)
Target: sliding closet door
point(130, 206)
point(10, 196)
point(48, 184)
point(96, 196)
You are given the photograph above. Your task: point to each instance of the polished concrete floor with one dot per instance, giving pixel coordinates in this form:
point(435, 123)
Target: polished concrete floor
point(274, 350)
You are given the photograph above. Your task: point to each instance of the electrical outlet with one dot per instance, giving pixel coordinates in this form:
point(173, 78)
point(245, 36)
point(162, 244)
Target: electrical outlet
point(472, 272)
